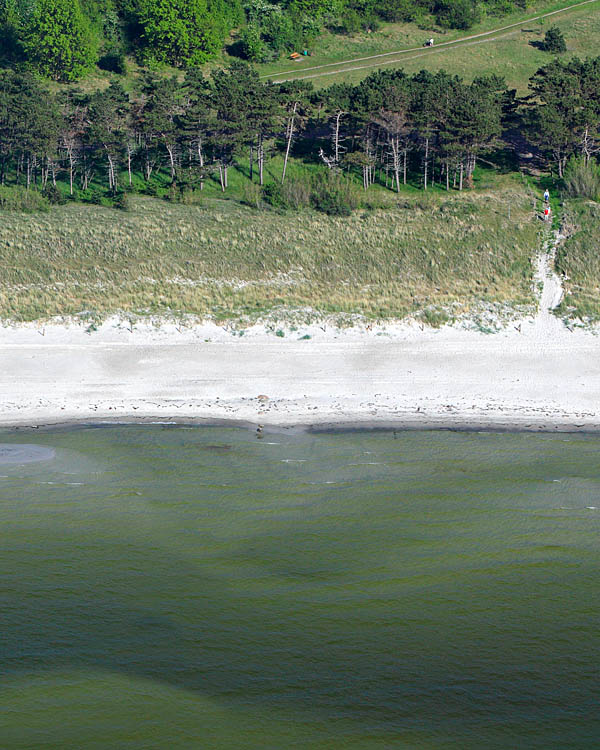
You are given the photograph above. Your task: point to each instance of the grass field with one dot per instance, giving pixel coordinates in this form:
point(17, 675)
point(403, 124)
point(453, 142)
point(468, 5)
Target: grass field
point(508, 53)
point(578, 258)
point(224, 260)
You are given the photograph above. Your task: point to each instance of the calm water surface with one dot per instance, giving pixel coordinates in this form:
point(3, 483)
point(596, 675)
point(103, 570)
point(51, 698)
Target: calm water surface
point(201, 588)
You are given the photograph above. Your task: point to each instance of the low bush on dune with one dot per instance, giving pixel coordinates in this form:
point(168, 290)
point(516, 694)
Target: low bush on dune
point(582, 180)
point(21, 199)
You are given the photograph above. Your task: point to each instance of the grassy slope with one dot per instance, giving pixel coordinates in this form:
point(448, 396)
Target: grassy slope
point(579, 259)
point(224, 259)
point(507, 53)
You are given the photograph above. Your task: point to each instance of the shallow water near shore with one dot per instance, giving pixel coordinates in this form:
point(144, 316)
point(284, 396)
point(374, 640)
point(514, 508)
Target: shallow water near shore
point(173, 587)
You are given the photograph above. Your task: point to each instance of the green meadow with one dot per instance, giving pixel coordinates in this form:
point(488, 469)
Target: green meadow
point(507, 52)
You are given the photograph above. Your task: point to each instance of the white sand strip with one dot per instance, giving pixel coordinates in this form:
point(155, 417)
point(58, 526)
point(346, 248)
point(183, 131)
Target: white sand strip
point(539, 377)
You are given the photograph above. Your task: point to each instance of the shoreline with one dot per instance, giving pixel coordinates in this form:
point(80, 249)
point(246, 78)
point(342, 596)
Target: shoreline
point(440, 425)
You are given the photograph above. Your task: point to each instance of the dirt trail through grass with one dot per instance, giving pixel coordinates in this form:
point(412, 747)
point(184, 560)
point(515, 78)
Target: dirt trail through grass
point(551, 293)
point(461, 42)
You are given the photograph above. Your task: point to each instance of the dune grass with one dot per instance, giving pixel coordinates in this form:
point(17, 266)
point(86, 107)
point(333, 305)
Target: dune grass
point(508, 53)
point(578, 259)
point(425, 254)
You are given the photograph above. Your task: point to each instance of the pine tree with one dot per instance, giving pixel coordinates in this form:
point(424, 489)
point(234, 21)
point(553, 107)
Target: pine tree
point(554, 41)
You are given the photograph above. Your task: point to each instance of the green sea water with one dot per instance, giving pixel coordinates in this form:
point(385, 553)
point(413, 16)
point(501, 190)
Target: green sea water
point(171, 587)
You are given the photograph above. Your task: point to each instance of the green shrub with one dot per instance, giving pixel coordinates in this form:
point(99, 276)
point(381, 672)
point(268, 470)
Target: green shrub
point(54, 195)
point(582, 180)
point(457, 14)
point(122, 201)
point(252, 46)
point(20, 199)
point(113, 62)
point(190, 197)
point(252, 195)
point(554, 41)
point(334, 194)
point(296, 193)
point(275, 196)
point(434, 317)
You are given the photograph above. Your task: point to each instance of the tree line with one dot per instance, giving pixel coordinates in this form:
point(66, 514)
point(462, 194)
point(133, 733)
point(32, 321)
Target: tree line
point(389, 128)
point(65, 39)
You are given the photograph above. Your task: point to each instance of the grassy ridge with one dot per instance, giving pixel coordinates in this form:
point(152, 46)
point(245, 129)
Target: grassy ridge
point(578, 258)
point(225, 260)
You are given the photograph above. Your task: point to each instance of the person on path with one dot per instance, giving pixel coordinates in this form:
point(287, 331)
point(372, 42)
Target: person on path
point(546, 196)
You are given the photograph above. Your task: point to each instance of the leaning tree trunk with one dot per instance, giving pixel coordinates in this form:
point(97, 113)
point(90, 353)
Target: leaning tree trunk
point(261, 159)
point(290, 135)
point(170, 150)
point(336, 137)
point(200, 160)
point(129, 163)
point(395, 146)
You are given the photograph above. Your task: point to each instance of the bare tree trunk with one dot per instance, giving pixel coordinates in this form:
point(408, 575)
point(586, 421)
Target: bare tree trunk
point(261, 159)
point(200, 159)
point(426, 164)
point(336, 137)
point(395, 144)
point(251, 161)
point(462, 169)
point(169, 148)
point(112, 183)
point(586, 146)
point(290, 135)
point(447, 176)
point(221, 177)
point(129, 163)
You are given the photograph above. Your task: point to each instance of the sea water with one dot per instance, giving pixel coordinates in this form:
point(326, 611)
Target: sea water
point(171, 587)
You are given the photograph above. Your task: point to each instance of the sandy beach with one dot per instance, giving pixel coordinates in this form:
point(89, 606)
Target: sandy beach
point(539, 378)
point(536, 374)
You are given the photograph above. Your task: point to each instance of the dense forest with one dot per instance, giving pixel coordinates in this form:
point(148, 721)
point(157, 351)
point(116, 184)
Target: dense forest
point(65, 39)
point(390, 128)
